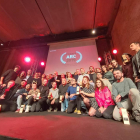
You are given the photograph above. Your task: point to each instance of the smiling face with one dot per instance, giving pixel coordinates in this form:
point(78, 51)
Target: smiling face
point(98, 83)
point(54, 85)
point(118, 74)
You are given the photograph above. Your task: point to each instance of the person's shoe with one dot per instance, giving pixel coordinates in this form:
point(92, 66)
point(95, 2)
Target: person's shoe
point(66, 110)
point(17, 110)
point(55, 110)
point(27, 109)
point(49, 110)
point(75, 111)
point(136, 115)
point(78, 112)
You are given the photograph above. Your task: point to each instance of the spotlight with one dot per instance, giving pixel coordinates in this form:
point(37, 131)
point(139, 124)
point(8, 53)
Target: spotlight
point(1, 44)
point(99, 59)
point(27, 59)
point(115, 51)
point(42, 63)
point(93, 31)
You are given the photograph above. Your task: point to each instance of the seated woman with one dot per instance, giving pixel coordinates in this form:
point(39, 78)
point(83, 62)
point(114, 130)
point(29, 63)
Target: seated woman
point(104, 100)
point(20, 77)
point(88, 95)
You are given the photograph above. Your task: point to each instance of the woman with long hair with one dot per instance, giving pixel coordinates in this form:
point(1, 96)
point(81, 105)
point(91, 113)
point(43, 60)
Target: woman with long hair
point(107, 74)
point(21, 76)
point(104, 100)
point(69, 78)
point(88, 95)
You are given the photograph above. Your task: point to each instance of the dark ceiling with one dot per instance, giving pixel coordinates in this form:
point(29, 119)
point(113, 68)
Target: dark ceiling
point(23, 19)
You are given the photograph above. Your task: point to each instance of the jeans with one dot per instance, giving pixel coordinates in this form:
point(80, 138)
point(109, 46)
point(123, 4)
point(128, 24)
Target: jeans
point(64, 105)
point(20, 100)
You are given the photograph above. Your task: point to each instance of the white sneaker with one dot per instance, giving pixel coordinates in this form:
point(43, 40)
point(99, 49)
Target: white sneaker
point(27, 109)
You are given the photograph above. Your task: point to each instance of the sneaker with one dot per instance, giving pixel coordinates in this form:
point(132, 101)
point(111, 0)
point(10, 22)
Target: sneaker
point(136, 115)
point(27, 109)
point(75, 111)
point(78, 112)
point(49, 110)
point(55, 110)
point(17, 110)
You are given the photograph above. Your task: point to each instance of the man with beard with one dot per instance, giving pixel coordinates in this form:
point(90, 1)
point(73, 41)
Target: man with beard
point(92, 74)
point(125, 95)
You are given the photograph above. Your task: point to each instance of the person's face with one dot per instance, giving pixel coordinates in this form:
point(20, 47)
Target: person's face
point(110, 66)
point(55, 73)
point(85, 81)
point(91, 69)
point(36, 75)
point(69, 74)
point(114, 63)
point(118, 75)
point(98, 70)
point(73, 81)
point(10, 84)
point(47, 76)
point(28, 86)
point(133, 46)
point(64, 81)
point(43, 75)
point(98, 83)
point(23, 83)
point(29, 72)
point(103, 68)
point(39, 74)
point(54, 85)
point(34, 86)
point(128, 57)
point(82, 71)
point(99, 75)
point(16, 69)
point(62, 75)
point(78, 71)
point(45, 81)
point(50, 76)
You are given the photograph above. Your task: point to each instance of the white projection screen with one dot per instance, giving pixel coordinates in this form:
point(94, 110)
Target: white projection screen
point(72, 55)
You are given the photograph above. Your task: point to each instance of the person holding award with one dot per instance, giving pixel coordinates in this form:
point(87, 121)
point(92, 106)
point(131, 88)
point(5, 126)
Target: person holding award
point(75, 99)
point(62, 92)
point(53, 98)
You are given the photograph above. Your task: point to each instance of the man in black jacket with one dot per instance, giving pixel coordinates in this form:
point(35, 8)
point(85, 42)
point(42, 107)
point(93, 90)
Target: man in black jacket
point(135, 46)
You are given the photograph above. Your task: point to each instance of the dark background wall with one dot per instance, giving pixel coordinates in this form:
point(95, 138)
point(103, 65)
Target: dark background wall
point(126, 28)
point(15, 56)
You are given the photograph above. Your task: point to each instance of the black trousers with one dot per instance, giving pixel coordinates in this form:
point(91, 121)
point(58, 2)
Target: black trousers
point(107, 114)
point(37, 105)
point(8, 105)
point(53, 106)
point(73, 104)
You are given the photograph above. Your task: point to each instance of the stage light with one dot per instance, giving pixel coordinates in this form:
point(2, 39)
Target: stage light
point(99, 59)
point(27, 59)
point(115, 51)
point(42, 63)
point(1, 44)
point(93, 31)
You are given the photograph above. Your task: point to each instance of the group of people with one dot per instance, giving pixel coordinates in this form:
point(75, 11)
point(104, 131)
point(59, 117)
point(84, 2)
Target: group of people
point(100, 92)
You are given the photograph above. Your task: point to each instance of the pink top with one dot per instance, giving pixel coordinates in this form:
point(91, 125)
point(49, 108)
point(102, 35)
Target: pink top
point(103, 97)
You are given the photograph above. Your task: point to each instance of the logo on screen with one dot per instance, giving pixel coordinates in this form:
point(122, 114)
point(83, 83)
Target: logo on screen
point(71, 57)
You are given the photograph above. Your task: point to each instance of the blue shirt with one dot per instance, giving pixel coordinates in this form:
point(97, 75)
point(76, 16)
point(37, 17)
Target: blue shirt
point(72, 90)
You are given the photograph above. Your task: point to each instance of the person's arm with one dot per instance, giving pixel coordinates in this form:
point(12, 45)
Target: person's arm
point(78, 81)
point(98, 100)
point(131, 83)
point(134, 68)
point(56, 94)
point(114, 95)
point(108, 98)
point(112, 77)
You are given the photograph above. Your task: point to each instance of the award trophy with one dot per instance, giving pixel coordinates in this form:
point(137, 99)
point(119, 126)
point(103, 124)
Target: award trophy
point(125, 117)
point(61, 99)
point(50, 97)
point(78, 89)
point(37, 97)
point(21, 108)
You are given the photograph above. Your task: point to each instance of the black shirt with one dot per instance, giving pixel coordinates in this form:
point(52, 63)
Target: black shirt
point(44, 90)
point(91, 77)
point(63, 89)
point(9, 75)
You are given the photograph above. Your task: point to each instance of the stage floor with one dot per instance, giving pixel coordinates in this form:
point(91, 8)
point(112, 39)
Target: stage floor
point(63, 126)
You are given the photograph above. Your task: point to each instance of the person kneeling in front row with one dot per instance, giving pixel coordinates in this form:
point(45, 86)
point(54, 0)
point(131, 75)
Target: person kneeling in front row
point(126, 96)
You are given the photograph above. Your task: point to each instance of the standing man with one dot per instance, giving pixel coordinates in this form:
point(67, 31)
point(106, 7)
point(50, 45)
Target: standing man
point(135, 46)
point(9, 75)
point(57, 78)
point(92, 75)
point(115, 65)
point(28, 76)
point(77, 74)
